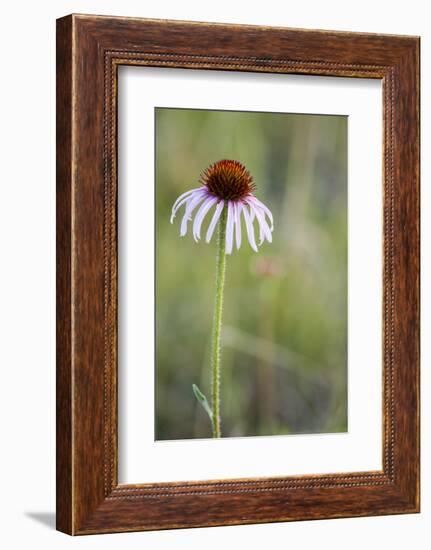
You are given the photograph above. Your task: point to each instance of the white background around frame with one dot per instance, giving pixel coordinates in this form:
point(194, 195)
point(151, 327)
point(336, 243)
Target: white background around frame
point(27, 277)
point(141, 458)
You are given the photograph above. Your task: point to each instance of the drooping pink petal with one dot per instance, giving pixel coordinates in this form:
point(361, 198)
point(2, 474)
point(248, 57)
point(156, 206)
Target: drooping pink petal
point(229, 227)
point(183, 195)
point(202, 212)
point(214, 220)
point(238, 208)
point(250, 228)
point(181, 200)
point(266, 210)
point(264, 230)
point(194, 199)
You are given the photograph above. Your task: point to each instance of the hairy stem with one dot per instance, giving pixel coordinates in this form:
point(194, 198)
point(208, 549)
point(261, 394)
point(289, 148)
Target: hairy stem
point(217, 322)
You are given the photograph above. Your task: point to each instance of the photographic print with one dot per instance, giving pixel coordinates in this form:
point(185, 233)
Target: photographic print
point(237, 274)
point(251, 273)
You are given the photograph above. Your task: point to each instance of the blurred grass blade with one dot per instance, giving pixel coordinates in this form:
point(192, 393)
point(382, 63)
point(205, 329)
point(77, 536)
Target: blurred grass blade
point(203, 401)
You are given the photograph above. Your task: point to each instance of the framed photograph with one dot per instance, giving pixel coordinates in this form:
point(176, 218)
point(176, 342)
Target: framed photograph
point(237, 274)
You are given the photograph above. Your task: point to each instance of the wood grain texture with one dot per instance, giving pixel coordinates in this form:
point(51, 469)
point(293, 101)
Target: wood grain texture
point(64, 497)
point(90, 49)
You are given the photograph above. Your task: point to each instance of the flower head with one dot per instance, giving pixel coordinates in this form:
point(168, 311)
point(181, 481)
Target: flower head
point(226, 183)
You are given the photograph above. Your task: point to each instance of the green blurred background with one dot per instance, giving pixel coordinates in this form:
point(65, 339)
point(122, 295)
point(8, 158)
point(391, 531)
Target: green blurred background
point(284, 344)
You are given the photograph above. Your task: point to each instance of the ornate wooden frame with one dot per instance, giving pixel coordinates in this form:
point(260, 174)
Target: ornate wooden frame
point(89, 51)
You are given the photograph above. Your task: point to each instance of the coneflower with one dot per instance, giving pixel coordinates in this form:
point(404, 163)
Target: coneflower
point(225, 183)
point(226, 188)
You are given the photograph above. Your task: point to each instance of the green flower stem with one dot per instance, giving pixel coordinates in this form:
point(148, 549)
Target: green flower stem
point(217, 322)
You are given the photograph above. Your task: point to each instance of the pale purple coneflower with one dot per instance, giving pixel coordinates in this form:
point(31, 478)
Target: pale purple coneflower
point(225, 183)
point(226, 190)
